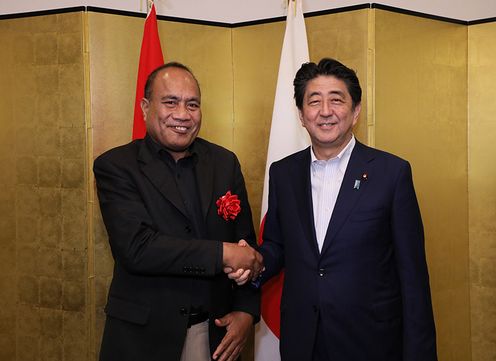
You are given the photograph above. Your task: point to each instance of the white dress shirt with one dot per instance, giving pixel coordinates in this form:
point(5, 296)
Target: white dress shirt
point(326, 177)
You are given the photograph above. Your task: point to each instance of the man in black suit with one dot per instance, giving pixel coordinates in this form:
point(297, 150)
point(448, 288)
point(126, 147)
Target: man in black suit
point(175, 206)
point(344, 223)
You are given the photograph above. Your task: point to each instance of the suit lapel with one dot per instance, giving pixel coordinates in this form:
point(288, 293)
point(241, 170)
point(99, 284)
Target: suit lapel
point(303, 194)
point(349, 194)
point(204, 177)
point(154, 169)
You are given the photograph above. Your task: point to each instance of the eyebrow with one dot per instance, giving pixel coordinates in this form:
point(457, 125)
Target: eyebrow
point(313, 93)
point(169, 97)
point(332, 92)
point(337, 92)
point(175, 97)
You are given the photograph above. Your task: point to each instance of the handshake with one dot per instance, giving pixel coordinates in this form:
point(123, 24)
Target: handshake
point(242, 262)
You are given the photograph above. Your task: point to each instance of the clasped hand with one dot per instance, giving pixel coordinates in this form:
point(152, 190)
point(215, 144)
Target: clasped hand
point(242, 262)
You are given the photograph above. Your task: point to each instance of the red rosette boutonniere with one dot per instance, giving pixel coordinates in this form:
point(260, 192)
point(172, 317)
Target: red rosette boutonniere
point(228, 206)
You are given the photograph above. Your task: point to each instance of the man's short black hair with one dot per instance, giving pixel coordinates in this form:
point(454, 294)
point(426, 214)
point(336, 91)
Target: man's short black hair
point(326, 67)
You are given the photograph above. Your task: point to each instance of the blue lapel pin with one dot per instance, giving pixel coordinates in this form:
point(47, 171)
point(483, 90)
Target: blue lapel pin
point(364, 178)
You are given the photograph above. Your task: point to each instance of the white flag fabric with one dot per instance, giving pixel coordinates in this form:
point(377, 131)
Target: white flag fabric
point(286, 137)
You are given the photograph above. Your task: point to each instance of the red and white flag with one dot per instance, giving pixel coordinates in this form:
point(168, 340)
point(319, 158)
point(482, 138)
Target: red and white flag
point(150, 58)
point(286, 137)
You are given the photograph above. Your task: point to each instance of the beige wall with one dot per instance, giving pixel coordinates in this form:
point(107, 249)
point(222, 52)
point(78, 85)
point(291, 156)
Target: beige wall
point(481, 188)
point(68, 95)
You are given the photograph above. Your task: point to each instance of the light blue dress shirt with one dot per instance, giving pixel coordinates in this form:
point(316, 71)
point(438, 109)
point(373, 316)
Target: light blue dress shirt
point(326, 177)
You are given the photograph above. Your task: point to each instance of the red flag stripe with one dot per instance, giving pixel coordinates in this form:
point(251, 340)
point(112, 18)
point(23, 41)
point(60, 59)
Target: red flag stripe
point(151, 57)
point(271, 297)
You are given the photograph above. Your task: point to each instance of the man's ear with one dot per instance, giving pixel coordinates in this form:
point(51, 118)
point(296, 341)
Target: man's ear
point(300, 115)
point(145, 105)
point(356, 113)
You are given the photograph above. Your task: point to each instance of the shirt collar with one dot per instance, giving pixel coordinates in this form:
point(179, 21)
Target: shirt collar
point(345, 153)
point(159, 149)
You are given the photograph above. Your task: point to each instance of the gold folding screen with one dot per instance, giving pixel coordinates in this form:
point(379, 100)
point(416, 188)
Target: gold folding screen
point(481, 188)
point(421, 115)
point(43, 180)
point(67, 95)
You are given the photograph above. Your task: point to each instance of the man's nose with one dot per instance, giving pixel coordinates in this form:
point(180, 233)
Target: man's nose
point(181, 111)
point(326, 109)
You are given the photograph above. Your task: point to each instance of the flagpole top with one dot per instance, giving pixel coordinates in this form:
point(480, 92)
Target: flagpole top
point(149, 4)
point(293, 3)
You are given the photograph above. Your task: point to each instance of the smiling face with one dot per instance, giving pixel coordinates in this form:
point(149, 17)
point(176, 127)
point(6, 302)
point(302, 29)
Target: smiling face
point(328, 115)
point(173, 113)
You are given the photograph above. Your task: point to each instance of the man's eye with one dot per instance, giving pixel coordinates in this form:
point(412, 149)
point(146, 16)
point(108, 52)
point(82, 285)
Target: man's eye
point(193, 106)
point(337, 101)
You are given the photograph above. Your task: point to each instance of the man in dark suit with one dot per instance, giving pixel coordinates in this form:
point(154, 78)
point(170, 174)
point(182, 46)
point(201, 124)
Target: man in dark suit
point(174, 206)
point(344, 223)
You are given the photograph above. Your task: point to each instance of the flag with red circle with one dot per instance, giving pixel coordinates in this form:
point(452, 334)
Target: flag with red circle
point(286, 137)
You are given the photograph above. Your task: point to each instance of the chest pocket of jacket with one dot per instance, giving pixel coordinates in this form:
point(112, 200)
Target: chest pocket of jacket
point(366, 226)
point(127, 311)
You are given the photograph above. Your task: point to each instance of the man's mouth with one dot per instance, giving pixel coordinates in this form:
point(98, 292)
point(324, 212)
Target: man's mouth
point(327, 124)
point(179, 128)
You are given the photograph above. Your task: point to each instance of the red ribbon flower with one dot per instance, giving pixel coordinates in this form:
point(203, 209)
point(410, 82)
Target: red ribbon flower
point(228, 206)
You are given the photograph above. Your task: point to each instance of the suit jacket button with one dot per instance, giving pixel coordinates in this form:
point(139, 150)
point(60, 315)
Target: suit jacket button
point(188, 229)
point(321, 272)
point(183, 311)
